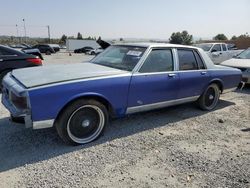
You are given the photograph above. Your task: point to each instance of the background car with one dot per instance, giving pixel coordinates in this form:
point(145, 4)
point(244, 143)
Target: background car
point(33, 51)
point(95, 51)
point(242, 62)
point(83, 50)
point(13, 59)
point(56, 47)
point(43, 48)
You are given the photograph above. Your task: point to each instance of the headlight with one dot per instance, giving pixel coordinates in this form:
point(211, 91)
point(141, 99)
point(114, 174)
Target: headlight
point(19, 102)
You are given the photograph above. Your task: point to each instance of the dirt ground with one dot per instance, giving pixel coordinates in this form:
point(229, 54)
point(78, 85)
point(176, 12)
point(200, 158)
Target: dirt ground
point(179, 146)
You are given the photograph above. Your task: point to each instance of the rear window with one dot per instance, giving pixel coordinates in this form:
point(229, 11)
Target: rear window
point(5, 51)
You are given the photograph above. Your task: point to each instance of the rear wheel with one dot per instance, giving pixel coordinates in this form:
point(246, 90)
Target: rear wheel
point(209, 99)
point(82, 122)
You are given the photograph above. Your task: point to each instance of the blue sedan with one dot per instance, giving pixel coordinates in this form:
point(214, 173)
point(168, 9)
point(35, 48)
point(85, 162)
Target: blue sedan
point(79, 99)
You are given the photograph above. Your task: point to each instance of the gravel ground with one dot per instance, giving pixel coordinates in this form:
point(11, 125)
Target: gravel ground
point(179, 146)
point(64, 57)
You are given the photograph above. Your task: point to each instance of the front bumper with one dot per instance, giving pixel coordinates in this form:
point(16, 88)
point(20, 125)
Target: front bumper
point(11, 86)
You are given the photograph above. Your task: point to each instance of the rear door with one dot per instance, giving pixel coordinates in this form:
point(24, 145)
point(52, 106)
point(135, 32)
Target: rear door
point(155, 82)
point(194, 76)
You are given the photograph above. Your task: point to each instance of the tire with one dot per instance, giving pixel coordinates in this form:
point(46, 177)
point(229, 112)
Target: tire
point(48, 52)
point(210, 97)
point(82, 122)
point(2, 74)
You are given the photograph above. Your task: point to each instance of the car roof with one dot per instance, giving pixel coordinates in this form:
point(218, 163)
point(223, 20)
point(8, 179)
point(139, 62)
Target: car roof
point(156, 45)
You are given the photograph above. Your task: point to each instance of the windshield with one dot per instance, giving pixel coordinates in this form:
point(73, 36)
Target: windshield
point(244, 55)
point(120, 57)
point(205, 47)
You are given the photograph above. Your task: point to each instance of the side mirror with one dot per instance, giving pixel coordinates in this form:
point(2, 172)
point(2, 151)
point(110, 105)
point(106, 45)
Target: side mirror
point(213, 50)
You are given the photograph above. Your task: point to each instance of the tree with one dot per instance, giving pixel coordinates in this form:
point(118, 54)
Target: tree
point(63, 39)
point(220, 36)
point(234, 37)
point(181, 38)
point(79, 36)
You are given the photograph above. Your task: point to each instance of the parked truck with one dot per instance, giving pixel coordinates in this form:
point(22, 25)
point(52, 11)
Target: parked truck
point(218, 52)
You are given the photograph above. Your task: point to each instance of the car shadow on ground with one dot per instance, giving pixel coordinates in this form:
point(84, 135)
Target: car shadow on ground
point(20, 146)
point(245, 130)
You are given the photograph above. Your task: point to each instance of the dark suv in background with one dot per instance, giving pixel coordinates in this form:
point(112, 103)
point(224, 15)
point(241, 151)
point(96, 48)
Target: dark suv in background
point(44, 48)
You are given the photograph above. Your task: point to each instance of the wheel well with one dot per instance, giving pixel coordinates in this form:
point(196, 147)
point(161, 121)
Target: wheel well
point(219, 84)
point(96, 98)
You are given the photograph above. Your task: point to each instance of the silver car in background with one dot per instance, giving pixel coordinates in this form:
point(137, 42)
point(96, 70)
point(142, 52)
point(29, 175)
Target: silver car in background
point(242, 62)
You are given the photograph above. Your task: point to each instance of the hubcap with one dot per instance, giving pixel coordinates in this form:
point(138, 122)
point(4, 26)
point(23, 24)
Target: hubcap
point(211, 97)
point(85, 124)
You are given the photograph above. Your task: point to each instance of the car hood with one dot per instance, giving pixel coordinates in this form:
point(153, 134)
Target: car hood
point(38, 76)
point(237, 63)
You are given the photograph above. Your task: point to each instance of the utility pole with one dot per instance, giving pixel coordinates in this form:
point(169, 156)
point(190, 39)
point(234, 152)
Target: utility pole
point(25, 34)
point(17, 35)
point(48, 32)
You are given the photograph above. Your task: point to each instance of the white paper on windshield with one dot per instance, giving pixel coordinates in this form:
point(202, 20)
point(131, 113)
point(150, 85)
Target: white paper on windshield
point(134, 53)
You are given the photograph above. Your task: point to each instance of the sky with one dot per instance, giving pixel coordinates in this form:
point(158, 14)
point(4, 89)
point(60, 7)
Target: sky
point(145, 19)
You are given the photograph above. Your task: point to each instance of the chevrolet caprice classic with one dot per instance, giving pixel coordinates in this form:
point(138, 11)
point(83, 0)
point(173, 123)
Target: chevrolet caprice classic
point(79, 99)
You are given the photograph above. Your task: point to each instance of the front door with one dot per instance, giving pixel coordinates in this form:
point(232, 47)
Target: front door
point(155, 82)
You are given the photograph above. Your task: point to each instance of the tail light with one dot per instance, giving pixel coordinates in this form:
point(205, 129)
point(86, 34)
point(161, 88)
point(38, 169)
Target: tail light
point(36, 61)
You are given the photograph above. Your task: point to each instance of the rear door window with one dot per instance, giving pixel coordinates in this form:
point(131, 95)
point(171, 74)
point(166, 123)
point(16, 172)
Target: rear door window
point(187, 60)
point(224, 47)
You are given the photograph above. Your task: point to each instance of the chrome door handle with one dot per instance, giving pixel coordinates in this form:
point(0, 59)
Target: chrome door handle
point(171, 75)
point(203, 72)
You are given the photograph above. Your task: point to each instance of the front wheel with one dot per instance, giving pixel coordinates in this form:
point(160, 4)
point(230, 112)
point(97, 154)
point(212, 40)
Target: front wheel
point(82, 122)
point(209, 99)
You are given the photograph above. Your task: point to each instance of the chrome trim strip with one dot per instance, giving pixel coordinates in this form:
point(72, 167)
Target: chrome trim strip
point(43, 124)
point(152, 106)
point(79, 80)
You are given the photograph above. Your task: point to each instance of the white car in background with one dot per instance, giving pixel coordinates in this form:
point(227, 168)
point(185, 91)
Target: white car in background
point(218, 52)
point(95, 51)
point(242, 62)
